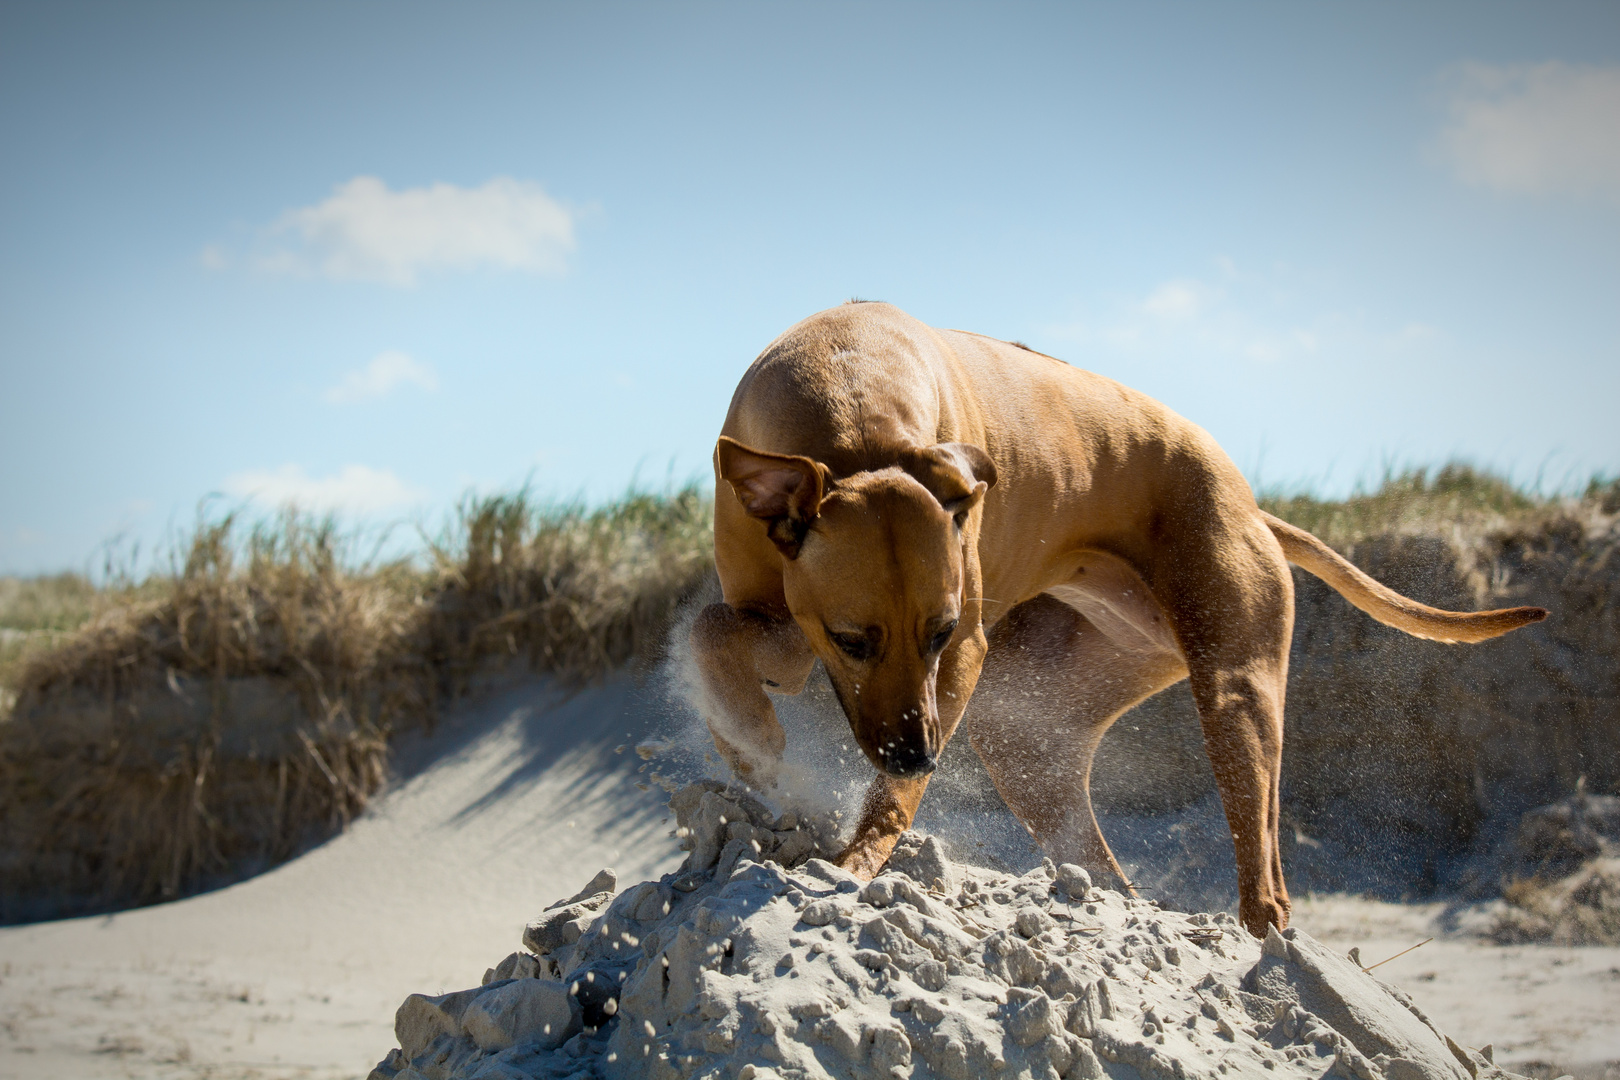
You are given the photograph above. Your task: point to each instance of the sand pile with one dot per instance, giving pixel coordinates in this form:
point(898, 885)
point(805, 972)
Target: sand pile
point(738, 967)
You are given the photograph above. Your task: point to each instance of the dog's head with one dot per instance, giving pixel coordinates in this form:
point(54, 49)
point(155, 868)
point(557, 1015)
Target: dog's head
point(873, 569)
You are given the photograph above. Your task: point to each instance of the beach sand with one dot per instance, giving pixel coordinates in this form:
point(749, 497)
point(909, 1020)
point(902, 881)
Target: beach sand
point(517, 800)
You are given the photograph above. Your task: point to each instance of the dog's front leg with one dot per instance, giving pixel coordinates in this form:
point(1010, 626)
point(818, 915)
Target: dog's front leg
point(739, 654)
point(891, 803)
point(886, 812)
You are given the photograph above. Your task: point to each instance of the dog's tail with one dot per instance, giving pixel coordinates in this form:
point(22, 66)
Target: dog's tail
point(1385, 604)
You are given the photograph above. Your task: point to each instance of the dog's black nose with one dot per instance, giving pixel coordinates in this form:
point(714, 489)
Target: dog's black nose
point(909, 760)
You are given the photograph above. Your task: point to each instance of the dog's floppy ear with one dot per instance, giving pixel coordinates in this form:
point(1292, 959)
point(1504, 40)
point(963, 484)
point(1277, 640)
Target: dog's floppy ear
point(957, 474)
point(782, 490)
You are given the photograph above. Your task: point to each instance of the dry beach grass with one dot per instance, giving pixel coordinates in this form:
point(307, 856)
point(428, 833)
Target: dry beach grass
point(438, 878)
point(214, 719)
point(226, 713)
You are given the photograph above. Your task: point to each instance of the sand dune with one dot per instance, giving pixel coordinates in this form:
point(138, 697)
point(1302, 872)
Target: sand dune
point(297, 973)
point(518, 800)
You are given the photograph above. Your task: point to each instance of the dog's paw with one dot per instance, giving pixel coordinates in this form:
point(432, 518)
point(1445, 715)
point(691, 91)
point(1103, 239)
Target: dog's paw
point(757, 770)
point(861, 861)
point(758, 773)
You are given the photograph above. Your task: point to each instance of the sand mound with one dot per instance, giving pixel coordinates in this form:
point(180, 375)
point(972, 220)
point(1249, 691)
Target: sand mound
point(737, 967)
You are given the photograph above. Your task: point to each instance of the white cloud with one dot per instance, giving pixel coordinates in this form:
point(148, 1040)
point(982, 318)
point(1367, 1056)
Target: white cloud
point(354, 488)
point(1186, 313)
point(1177, 300)
point(1271, 347)
point(365, 232)
point(23, 536)
point(386, 371)
point(1536, 129)
point(1281, 316)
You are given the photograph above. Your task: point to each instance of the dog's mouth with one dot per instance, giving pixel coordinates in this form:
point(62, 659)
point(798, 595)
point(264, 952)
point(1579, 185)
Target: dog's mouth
point(905, 761)
point(904, 757)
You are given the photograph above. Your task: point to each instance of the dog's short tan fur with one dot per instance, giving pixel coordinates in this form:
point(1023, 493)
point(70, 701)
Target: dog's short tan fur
point(912, 506)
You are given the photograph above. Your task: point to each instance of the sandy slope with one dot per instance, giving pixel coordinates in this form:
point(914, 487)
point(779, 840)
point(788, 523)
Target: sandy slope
point(298, 972)
point(518, 800)
point(1537, 1004)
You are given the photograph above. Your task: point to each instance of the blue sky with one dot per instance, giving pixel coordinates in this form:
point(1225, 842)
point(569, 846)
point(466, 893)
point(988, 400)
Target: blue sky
point(371, 256)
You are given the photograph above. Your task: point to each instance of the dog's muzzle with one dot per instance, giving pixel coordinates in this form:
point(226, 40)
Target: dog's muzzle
point(906, 762)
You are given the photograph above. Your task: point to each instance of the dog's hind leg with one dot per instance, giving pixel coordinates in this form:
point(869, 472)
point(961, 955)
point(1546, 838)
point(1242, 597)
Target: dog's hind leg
point(1052, 684)
point(739, 654)
point(1233, 606)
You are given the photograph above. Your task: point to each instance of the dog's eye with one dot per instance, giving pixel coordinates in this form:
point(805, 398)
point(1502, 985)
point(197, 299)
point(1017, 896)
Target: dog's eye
point(942, 639)
point(854, 646)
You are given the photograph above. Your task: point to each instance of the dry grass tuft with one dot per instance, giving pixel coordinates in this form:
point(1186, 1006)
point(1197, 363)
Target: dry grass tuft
point(218, 717)
point(1414, 500)
point(227, 713)
point(37, 614)
point(56, 602)
point(1583, 909)
point(1561, 876)
point(575, 591)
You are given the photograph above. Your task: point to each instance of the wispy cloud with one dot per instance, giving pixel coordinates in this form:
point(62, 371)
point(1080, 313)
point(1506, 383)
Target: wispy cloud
point(386, 371)
point(1234, 314)
point(356, 489)
point(1177, 301)
point(366, 232)
point(22, 536)
point(1535, 129)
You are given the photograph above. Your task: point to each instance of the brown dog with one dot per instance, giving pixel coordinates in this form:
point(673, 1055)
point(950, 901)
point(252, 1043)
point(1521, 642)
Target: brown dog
point(914, 504)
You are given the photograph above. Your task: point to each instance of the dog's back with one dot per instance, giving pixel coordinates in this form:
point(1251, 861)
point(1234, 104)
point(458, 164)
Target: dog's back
point(1083, 460)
